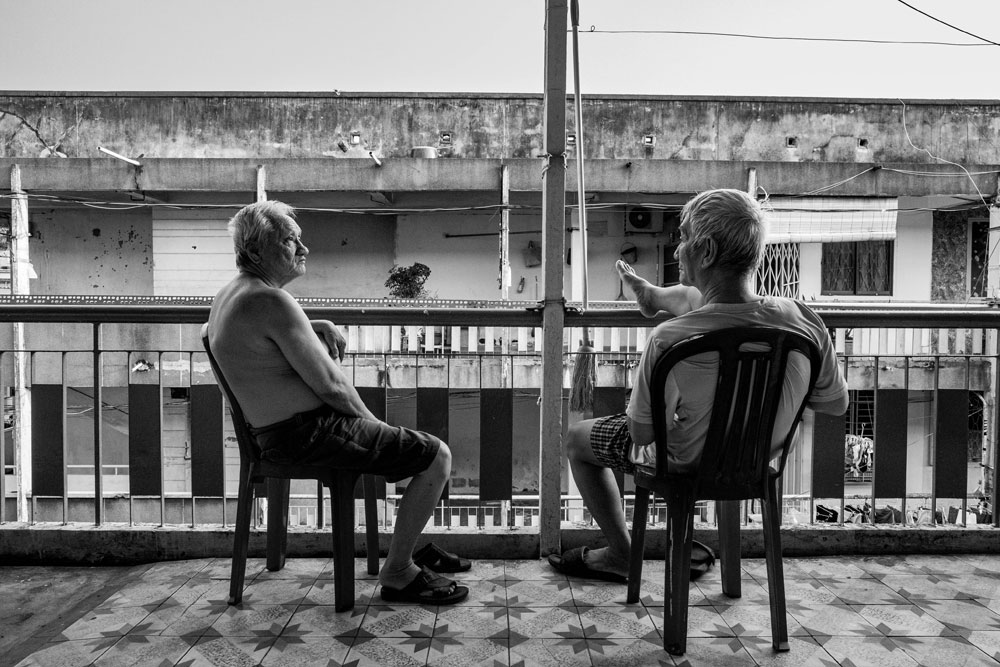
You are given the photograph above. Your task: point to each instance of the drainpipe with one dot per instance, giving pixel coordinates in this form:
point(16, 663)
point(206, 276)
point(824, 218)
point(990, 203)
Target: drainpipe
point(553, 243)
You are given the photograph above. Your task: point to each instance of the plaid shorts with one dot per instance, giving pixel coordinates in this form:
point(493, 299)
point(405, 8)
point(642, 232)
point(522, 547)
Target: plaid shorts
point(611, 442)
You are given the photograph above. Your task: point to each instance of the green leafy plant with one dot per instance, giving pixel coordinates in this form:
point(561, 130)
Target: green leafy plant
point(407, 282)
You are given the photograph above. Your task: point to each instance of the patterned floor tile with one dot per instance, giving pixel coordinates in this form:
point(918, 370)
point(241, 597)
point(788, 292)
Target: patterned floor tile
point(925, 587)
point(266, 620)
point(617, 652)
point(550, 593)
point(167, 570)
point(324, 620)
point(311, 650)
point(587, 593)
point(819, 568)
point(227, 652)
point(985, 562)
point(389, 652)
point(549, 652)
point(703, 621)
point(323, 591)
point(651, 591)
point(180, 621)
point(721, 652)
point(544, 622)
point(987, 641)
point(755, 620)
point(475, 652)
point(962, 614)
point(802, 652)
point(473, 622)
point(632, 622)
point(482, 592)
point(878, 565)
point(752, 592)
point(979, 584)
point(866, 652)
point(933, 563)
point(862, 591)
point(484, 569)
point(808, 590)
point(201, 590)
point(903, 620)
point(105, 622)
point(297, 568)
point(139, 651)
point(68, 653)
point(831, 619)
point(276, 591)
point(943, 651)
point(399, 621)
point(140, 594)
point(221, 568)
point(531, 570)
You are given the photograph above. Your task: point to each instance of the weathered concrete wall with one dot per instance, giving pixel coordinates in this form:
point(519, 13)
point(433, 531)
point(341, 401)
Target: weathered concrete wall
point(92, 252)
point(36, 124)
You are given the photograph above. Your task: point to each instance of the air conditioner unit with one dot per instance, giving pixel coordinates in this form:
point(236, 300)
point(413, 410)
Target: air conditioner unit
point(643, 220)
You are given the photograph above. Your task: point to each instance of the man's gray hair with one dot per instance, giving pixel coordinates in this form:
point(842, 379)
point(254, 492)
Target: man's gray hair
point(256, 226)
point(735, 221)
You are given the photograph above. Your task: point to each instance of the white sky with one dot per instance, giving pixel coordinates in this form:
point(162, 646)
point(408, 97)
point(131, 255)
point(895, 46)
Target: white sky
point(475, 46)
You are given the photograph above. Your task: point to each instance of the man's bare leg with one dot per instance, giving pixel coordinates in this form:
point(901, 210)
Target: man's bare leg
point(600, 495)
point(415, 508)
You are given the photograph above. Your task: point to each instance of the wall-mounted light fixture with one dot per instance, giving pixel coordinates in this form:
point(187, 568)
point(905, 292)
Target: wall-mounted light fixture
point(863, 143)
point(446, 137)
point(378, 163)
point(355, 138)
point(649, 140)
point(117, 156)
point(791, 142)
point(571, 139)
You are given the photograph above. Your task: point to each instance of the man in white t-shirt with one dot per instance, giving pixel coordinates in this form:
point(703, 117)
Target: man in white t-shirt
point(722, 237)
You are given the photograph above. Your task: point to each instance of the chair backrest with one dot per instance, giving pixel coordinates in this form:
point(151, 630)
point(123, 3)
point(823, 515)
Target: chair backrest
point(735, 461)
point(249, 449)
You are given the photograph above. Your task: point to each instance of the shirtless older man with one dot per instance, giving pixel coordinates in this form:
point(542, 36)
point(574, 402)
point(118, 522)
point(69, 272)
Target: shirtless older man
point(285, 371)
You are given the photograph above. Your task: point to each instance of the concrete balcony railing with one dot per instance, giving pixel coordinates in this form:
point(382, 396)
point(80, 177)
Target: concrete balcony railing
point(917, 450)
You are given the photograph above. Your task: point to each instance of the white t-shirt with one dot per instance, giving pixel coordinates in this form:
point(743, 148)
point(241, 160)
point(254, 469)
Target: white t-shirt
point(690, 387)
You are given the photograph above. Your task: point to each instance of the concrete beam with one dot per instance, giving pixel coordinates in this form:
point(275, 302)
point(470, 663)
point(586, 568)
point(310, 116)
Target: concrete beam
point(634, 177)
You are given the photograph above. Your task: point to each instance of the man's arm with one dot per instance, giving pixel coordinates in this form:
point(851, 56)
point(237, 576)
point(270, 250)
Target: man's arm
point(676, 299)
point(331, 336)
point(837, 406)
point(287, 325)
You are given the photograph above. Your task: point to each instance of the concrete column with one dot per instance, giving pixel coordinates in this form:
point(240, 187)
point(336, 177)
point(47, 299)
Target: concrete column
point(577, 248)
point(19, 275)
point(553, 243)
point(261, 183)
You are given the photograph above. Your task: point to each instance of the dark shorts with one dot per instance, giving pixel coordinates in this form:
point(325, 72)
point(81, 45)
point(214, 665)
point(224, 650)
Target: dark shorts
point(322, 438)
point(611, 442)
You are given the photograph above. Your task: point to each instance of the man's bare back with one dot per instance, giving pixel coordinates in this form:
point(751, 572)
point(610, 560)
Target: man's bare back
point(266, 385)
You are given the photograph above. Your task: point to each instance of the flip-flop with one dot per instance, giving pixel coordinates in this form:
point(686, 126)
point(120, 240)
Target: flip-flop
point(435, 558)
point(702, 558)
point(427, 588)
point(572, 563)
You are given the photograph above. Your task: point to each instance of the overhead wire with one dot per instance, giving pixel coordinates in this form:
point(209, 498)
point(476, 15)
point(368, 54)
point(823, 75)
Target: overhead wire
point(789, 38)
point(988, 42)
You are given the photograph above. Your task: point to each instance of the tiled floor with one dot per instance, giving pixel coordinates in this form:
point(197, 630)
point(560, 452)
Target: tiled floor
point(897, 610)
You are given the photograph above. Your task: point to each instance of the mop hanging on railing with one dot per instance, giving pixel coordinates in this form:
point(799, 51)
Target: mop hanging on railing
point(581, 397)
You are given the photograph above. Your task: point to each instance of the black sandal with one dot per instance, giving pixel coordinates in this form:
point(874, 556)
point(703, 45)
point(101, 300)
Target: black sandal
point(435, 558)
point(427, 588)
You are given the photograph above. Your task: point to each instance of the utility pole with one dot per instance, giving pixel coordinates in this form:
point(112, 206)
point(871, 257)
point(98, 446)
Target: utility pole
point(19, 272)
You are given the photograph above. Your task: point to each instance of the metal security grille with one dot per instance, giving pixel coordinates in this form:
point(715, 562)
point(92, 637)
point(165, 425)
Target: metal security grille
point(778, 274)
point(862, 267)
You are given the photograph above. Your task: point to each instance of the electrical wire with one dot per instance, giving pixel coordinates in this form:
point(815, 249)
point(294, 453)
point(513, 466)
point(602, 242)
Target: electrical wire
point(953, 27)
point(847, 40)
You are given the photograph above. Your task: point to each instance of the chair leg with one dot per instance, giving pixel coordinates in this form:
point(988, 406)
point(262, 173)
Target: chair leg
point(342, 509)
point(775, 569)
point(728, 517)
point(241, 536)
point(638, 538)
point(680, 532)
point(277, 522)
point(371, 523)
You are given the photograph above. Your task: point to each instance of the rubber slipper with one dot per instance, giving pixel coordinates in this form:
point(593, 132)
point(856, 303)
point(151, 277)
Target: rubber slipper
point(572, 563)
point(435, 558)
point(427, 588)
point(702, 558)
